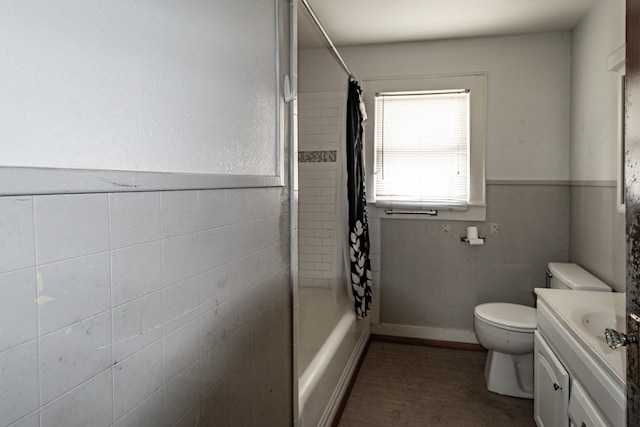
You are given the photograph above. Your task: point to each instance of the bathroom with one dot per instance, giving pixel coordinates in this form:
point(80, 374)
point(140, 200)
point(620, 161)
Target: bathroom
point(551, 179)
point(551, 194)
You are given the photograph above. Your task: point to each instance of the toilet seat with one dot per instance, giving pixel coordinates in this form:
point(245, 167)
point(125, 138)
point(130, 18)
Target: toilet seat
point(512, 317)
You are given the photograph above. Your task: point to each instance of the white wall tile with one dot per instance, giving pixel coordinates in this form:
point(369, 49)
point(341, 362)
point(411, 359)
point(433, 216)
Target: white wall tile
point(181, 393)
point(181, 349)
point(240, 378)
point(136, 271)
point(213, 288)
point(253, 268)
point(16, 233)
point(253, 203)
point(179, 304)
point(213, 367)
point(31, 420)
point(136, 324)
point(135, 218)
point(239, 349)
point(212, 328)
point(18, 313)
point(149, 413)
point(72, 355)
point(214, 408)
point(70, 226)
point(88, 293)
point(88, 405)
point(18, 382)
point(179, 258)
point(251, 236)
point(212, 208)
point(72, 290)
point(136, 378)
point(179, 213)
point(213, 248)
point(191, 418)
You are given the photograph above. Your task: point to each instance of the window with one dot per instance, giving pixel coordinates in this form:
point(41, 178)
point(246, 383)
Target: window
point(422, 149)
point(425, 145)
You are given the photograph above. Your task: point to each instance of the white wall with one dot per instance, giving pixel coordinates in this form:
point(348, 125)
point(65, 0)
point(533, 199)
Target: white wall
point(528, 91)
point(594, 93)
point(139, 86)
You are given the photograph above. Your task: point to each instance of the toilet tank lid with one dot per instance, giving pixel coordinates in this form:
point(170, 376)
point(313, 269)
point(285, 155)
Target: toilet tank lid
point(576, 277)
point(504, 315)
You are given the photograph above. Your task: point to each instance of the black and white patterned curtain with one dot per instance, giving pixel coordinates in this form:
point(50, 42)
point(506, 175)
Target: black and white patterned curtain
point(358, 224)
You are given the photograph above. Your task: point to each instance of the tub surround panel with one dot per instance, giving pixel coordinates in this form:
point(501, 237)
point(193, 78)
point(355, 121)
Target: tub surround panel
point(147, 314)
point(320, 125)
point(430, 279)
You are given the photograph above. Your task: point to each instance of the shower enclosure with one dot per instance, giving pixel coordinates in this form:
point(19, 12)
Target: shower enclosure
point(330, 338)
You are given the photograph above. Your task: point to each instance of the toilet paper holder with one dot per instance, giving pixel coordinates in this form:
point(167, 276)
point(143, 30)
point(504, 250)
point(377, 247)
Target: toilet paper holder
point(472, 237)
point(474, 241)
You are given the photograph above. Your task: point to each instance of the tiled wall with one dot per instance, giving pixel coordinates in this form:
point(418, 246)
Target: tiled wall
point(319, 127)
point(145, 309)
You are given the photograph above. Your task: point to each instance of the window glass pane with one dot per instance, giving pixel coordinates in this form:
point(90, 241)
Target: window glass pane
point(422, 149)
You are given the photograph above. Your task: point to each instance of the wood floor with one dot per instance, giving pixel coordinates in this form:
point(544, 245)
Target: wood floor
point(407, 385)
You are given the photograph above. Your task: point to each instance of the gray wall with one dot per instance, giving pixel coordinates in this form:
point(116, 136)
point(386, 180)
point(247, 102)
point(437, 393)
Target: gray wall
point(429, 278)
point(597, 233)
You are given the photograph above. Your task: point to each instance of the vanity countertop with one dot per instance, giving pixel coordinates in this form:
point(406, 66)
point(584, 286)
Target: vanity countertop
point(585, 314)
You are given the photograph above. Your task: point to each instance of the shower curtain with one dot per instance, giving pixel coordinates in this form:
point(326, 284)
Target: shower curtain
point(358, 235)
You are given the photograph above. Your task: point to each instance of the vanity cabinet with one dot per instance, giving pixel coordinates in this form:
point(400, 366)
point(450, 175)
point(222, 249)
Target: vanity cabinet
point(572, 385)
point(551, 386)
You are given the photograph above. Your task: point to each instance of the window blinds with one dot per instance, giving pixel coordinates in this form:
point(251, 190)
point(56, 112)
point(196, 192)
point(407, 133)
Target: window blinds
point(422, 149)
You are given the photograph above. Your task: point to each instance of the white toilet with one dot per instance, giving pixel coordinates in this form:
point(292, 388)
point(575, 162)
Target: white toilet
point(506, 330)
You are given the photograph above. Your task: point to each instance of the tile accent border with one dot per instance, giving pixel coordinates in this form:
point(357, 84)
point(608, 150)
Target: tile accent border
point(317, 156)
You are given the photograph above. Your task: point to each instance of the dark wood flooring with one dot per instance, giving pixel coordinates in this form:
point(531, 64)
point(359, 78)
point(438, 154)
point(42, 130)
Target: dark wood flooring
point(409, 385)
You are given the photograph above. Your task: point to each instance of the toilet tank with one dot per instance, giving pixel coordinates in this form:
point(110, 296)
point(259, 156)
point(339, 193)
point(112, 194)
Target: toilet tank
point(571, 276)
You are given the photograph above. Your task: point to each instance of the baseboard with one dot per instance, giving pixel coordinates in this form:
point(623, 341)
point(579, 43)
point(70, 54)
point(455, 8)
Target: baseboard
point(425, 333)
point(427, 342)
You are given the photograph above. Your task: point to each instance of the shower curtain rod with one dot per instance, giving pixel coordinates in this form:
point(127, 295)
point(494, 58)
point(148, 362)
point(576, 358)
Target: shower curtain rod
point(326, 36)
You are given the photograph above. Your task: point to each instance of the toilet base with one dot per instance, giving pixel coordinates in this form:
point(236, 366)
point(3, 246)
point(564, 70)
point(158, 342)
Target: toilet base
point(509, 374)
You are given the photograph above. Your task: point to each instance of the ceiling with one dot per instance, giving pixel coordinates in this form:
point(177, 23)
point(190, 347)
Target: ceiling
point(357, 22)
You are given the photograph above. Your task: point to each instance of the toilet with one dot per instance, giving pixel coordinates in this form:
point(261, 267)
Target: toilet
point(506, 330)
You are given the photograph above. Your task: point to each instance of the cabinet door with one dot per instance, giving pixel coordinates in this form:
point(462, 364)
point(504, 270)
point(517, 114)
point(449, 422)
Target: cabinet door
point(550, 387)
point(582, 411)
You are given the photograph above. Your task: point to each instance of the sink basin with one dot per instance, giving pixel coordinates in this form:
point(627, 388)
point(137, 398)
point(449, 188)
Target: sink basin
point(596, 322)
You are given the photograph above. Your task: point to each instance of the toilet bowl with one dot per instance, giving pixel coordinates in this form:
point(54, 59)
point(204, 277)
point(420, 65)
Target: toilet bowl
point(506, 330)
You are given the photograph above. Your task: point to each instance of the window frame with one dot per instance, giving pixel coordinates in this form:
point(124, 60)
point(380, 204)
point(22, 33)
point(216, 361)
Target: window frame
point(476, 83)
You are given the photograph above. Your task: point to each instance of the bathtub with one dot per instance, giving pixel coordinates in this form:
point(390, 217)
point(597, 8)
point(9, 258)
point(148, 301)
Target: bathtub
point(330, 342)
